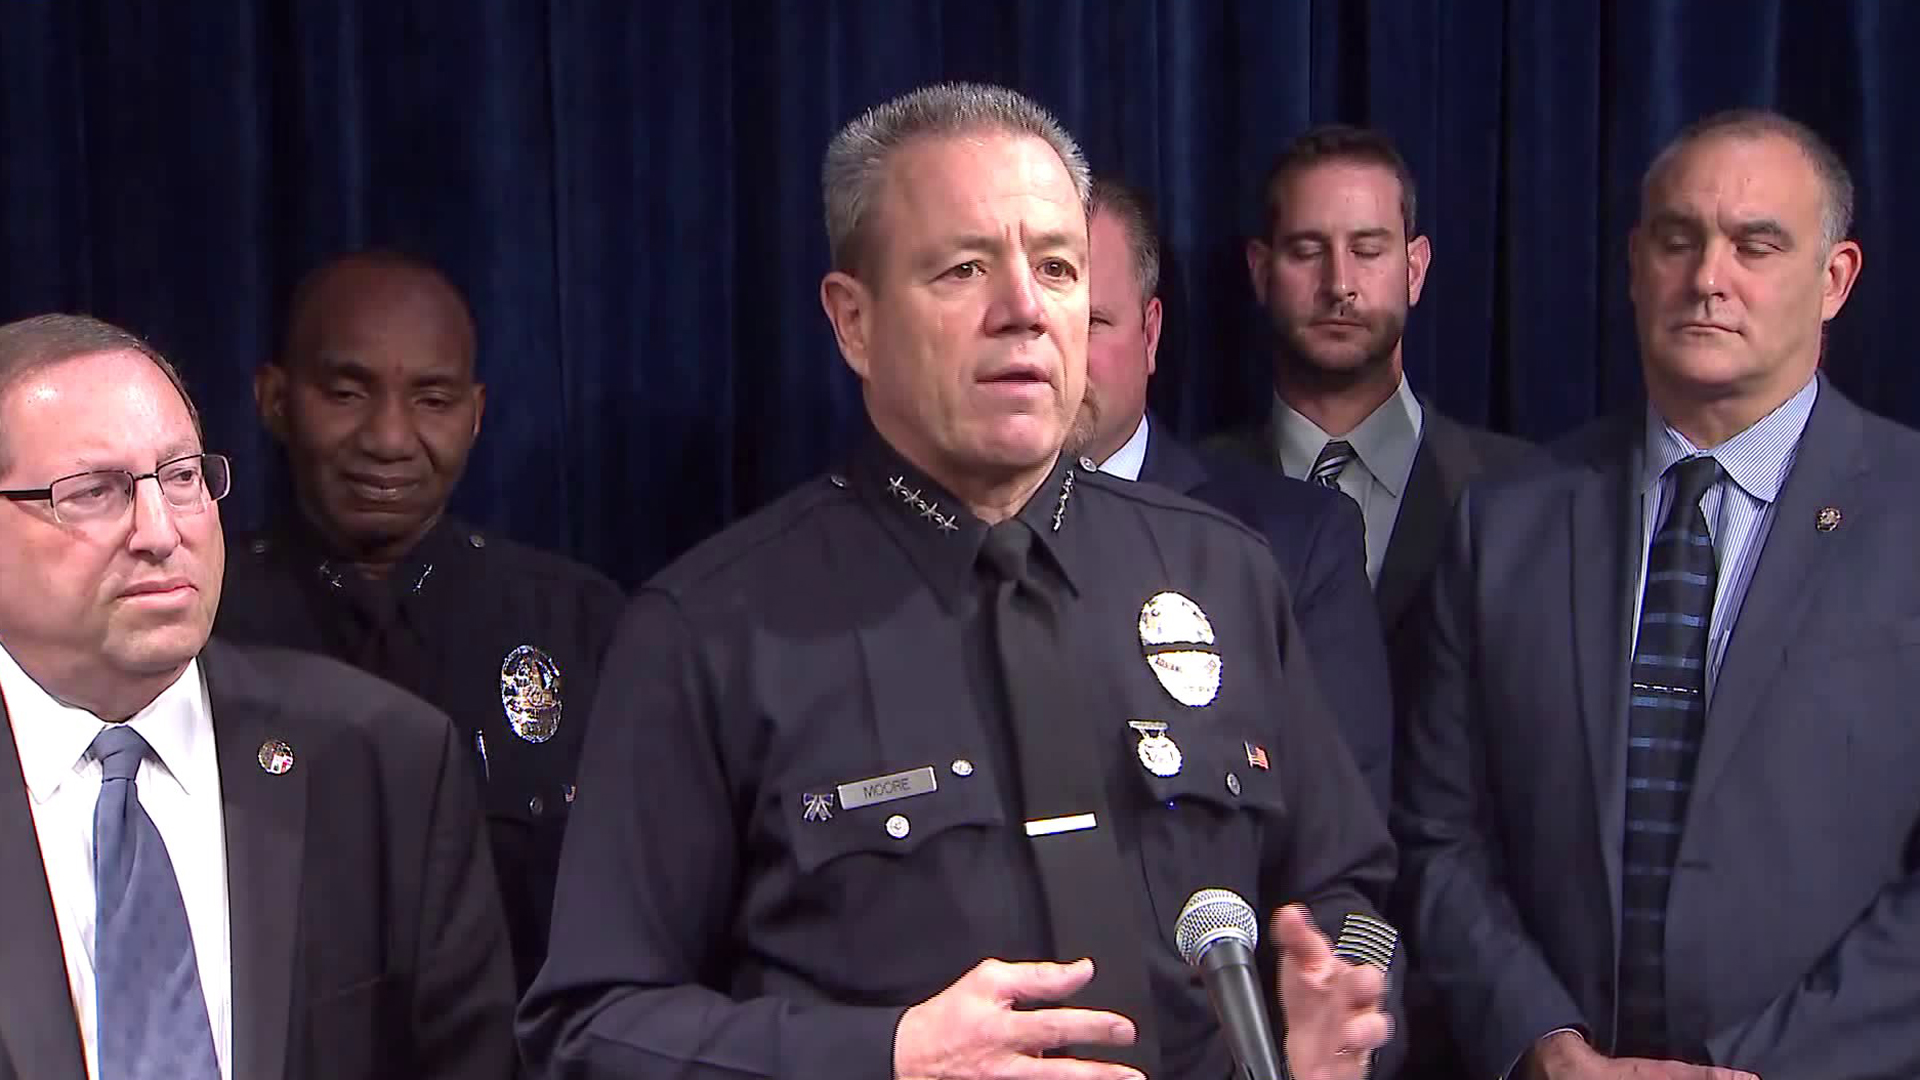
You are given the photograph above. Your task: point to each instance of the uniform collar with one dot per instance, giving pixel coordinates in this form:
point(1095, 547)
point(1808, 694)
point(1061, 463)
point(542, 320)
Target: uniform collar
point(414, 573)
point(939, 533)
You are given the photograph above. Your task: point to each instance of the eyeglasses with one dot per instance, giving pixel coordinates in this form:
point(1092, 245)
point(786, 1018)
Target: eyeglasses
point(187, 483)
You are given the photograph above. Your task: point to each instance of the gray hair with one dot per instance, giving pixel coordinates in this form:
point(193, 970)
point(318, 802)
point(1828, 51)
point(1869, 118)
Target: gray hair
point(857, 157)
point(1836, 212)
point(28, 345)
point(1134, 210)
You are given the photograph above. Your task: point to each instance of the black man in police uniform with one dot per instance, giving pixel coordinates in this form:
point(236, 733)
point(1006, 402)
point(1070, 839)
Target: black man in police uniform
point(375, 400)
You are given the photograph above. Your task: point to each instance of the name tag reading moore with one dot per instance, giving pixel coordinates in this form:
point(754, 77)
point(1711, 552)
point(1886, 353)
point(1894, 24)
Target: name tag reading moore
point(900, 785)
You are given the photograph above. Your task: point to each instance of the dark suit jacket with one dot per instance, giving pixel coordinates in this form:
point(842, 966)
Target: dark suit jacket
point(1793, 925)
point(367, 938)
point(1319, 543)
point(1450, 455)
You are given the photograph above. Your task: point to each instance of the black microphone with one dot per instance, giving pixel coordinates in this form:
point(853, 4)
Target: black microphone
point(1216, 933)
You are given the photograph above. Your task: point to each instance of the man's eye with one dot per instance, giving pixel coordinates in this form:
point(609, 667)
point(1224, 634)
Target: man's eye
point(1058, 269)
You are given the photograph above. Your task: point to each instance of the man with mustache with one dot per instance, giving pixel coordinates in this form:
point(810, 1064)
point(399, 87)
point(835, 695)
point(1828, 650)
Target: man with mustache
point(1657, 791)
point(1337, 269)
point(222, 862)
point(374, 399)
point(958, 727)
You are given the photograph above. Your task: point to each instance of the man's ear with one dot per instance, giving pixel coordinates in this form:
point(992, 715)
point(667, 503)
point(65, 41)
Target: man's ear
point(849, 307)
point(1258, 252)
point(1419, 257)
point(270, 398)
point(1152, 331)
point(479, 406)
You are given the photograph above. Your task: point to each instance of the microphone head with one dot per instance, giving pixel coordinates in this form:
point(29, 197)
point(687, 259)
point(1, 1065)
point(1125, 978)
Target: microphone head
point(1210, 916)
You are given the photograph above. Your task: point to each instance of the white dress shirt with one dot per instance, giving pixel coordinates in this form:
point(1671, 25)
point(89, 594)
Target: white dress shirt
point(179, 786)
point(1384, 445)
point(1125, 462)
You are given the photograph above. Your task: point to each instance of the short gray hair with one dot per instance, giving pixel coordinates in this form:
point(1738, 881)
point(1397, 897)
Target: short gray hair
point(28, 345)
point(1134, 211)
point(1836, 211)
point(857, 157)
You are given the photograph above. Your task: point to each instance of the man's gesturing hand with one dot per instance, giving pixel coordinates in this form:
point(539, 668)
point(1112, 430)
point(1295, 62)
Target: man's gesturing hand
point(971, 1030)
point(1332, 1010)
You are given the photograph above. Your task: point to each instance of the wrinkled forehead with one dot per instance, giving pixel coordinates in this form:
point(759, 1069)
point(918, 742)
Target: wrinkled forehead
point(386, 314)
point(983, 181)
point(1336, 197)
point(98, 411)
point(1730, 181)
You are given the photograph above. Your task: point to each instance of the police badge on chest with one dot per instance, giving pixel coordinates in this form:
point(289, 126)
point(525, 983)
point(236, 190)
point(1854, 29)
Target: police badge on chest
point(530, 687)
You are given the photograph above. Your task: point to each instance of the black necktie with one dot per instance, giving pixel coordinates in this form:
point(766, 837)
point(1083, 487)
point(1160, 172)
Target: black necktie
point(1667, 713)
point(1093, 903)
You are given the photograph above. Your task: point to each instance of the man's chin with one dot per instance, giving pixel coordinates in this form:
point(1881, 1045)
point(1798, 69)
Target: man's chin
point(1339, 368)
point(159, 650)
point(375, 529)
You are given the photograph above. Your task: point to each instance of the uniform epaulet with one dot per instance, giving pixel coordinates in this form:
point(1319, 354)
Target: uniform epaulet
point(768, 525)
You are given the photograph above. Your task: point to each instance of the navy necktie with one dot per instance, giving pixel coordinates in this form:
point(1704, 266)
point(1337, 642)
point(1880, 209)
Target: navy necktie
point(151, 1013)
point(1665, 719)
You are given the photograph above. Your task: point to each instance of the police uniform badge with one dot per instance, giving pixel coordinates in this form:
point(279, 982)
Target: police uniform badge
point(1177, 638)
point(530, 693)
point(1159, 754)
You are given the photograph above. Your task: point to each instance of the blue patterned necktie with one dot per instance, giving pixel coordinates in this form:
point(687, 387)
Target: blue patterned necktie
point(1665, 719)
point(152, 1016)
point(1333, 460)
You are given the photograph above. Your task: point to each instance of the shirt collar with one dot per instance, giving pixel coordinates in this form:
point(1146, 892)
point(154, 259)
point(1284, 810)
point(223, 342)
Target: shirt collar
point(1127, 461)
point(1757, 458)
point(414, 573)
point(1385, 442)
point(939, 533)
point(52, 736)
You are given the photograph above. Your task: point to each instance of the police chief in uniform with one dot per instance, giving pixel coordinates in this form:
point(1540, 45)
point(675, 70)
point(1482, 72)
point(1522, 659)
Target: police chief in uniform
point(867, 763)
point(375, 401)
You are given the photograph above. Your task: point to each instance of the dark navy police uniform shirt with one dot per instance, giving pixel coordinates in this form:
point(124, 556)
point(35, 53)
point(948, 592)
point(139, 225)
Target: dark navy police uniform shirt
point(722, 913)
point(504, 639)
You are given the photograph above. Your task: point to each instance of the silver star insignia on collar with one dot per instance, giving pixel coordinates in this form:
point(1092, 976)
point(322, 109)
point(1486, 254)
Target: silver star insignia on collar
point(897, 485)
point(1066, 492)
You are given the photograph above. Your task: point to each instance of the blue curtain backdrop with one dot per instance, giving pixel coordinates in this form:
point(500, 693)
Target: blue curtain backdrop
point(627, 191)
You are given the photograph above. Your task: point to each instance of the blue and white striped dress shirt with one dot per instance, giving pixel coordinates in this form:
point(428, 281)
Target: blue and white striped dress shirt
point(1739, 509)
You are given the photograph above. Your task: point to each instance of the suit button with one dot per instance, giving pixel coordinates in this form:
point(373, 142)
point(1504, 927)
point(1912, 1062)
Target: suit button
point(536, 806)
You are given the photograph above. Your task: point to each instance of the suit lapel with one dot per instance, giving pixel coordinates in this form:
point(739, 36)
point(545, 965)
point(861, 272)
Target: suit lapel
point(1792, 564)
point(266, 830)
point(38, 1030)
point(1605, 536)
point(1413, 546)
point(1168, 463)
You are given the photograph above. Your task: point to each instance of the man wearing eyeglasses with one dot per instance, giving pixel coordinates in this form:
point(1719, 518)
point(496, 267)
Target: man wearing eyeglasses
point(236, 862)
